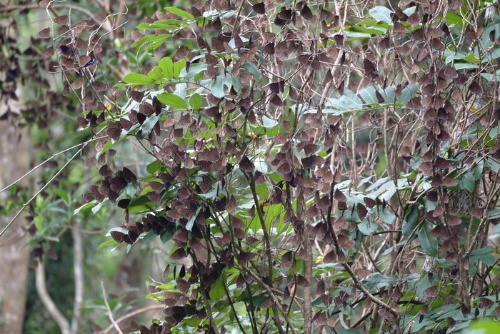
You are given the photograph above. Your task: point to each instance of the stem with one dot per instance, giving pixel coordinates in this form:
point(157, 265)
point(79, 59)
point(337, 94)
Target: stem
point(41, 289)
point(78, 273)
point(110, 314)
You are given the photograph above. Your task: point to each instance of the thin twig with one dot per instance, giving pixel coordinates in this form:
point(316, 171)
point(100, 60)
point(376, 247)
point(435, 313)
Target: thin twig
point(40, 191)
point(133, 314)
point(110, 315)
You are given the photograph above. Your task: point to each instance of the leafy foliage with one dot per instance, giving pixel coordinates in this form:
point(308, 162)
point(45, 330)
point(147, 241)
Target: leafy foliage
point(308, 166)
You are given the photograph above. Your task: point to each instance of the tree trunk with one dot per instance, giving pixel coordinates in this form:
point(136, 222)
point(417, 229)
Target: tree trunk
point(14, 162)
point(14, 256)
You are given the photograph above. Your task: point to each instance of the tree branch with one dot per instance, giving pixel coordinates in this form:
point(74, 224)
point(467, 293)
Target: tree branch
point(41, 289)
point(78, 273)
point(110, 314)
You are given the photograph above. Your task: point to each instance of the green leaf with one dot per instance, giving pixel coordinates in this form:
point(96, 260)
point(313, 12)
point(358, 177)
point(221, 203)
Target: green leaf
point(408, 93)
point(108, 242)
point(381, 13)
point(453, 19)
point(166, 236)
point(377, 281)
point(367, 227)
point(196, 101)
point(471, 58)
point(149, 237)
point(389, 94)
point(154, 167)
point(467, 182)
point(217, 87)
point(190, 223)
point(347, 331)
point(268, 122)
point(217, 291)
point(180, 12)
point(178, 67)
point(369, 95)
point(140, 204)
point(137, 79)
point(429, 245)
point(387, 216)
point(156, 74)
point(483, 326)
point(167, 66)
point(84, 208)
point(64, 195)
point(149, 123)
point(464, 66)
point(411, 221)
point(172, 100)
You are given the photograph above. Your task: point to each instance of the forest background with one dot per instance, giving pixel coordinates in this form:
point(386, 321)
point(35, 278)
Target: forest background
point(246, 166)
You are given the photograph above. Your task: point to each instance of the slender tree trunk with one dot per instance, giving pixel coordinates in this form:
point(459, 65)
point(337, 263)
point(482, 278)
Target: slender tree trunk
point(14, 256)
point(14, 163)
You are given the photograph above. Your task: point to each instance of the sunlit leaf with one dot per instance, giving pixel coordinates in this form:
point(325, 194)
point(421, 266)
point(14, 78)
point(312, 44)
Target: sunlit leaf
point(172, 100)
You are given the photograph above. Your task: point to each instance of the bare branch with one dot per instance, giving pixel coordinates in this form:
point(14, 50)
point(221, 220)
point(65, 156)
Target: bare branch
point(41, 289)
point(110, 314)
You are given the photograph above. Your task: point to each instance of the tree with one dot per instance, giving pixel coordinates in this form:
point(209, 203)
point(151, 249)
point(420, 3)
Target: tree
point(309, 166)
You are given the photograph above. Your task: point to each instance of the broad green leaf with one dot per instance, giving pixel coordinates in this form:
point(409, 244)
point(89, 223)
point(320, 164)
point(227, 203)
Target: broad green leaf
point(369, 95)
point(347, 331)
point(217, 291)
point(236, 82)
point(429, 245)
point(367, 227)
point(387, 216)
point(156, 74)
point(157, 38)
point(377, 281)
point(408, 93)
point(167, 66)
point(467, 182)
point(471, 58)
point(137, 79)
point(389, 94)
point(268, 122)
point(178, 67)
point(253, 71)
point(141, 203)
point(411, 221)
point(365, 31)
point(170, 25)
point(464, 66)
point(154, 167)
point(149, 237)
point(482, 254)
point(483, 326)
point(172, 100)
point(85, 207)
point(453, 19)
point(190, 223)
point(166, 236)
point(180, 12)
point(64, 195)
point(490, 77)
point(381, 13)
point(196, 101)
point(217, 87)
point(195, 71)
point(108, 242)
point(149, 123)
